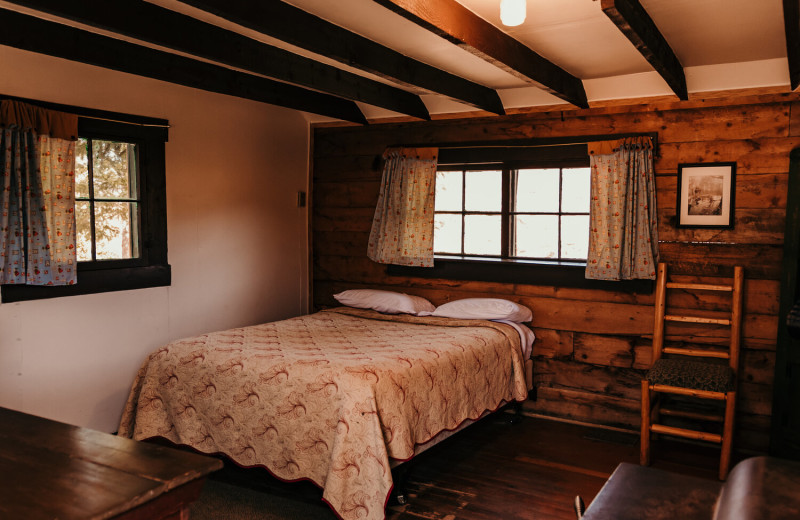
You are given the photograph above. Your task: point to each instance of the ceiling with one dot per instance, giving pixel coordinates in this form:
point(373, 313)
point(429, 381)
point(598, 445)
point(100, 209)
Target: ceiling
point(598, 50)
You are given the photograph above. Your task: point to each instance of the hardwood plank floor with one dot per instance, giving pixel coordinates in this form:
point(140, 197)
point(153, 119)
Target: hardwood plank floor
point(494, 470)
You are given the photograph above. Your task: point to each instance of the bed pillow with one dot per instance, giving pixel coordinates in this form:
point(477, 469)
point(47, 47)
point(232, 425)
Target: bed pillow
point(484, 309)
point(388, 302)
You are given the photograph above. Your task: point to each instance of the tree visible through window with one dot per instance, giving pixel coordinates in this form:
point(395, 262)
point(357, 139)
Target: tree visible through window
point(529, 214)
point(106, 200)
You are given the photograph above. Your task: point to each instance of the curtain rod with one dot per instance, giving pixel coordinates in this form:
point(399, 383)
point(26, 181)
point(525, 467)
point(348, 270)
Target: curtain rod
point(536, 142)
point(91, 113)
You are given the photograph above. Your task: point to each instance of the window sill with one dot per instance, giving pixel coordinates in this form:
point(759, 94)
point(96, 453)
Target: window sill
point(93, 282)
point(555, 273)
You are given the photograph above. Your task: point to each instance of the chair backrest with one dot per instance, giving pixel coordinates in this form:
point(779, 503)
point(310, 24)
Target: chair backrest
point(734, 321)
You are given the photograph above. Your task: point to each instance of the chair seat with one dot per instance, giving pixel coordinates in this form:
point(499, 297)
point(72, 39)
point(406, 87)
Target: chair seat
point(695, 375)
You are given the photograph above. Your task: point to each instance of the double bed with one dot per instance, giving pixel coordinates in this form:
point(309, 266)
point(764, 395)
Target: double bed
point(337, 397)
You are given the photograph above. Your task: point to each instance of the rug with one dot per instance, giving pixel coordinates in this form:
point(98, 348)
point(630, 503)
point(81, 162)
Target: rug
point(224, 501)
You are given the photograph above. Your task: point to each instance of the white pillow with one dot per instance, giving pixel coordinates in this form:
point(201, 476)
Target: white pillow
point(384, 301)
point(484, 309)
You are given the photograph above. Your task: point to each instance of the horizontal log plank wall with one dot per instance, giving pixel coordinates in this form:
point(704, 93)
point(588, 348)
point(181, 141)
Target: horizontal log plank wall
point(593, 345)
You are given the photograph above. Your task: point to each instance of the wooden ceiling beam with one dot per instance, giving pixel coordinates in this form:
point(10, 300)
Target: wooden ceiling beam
point(459, 25)
point(791, 23)
point(54, 39)
point(633, 21)
point(157, 25)
point(297, 27)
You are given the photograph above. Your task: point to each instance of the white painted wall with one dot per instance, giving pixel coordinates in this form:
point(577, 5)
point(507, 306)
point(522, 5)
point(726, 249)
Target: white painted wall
point(237, 241)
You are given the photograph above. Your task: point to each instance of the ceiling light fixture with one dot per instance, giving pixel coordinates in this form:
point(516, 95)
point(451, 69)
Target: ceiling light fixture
point(512, 12)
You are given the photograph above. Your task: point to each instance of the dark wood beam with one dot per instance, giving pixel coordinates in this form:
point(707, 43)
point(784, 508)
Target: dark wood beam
point(791, 23)
point(459, 25)
point(633, 21)
point(54, 39)
point(292, 25)
point(157, 25)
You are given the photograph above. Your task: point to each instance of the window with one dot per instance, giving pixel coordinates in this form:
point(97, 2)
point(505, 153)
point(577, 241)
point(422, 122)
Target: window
point(120, 207)
point(514, 214)
point(522, 213)
point(106, 200)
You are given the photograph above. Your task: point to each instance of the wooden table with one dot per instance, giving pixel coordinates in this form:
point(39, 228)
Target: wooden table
point(51, 470)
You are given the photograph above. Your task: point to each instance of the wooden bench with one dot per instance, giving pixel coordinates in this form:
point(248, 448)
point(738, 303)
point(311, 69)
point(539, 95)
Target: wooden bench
point(758, 488)
point(53, 470)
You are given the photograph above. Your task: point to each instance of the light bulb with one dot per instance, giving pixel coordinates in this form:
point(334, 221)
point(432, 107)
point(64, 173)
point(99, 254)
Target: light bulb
point(512, 12)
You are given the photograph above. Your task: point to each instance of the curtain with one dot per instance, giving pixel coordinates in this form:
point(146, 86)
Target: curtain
point(623, 223)
point(37, 215)
point(402, 230)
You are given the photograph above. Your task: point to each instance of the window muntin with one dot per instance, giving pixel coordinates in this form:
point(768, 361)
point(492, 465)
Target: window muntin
point(543, 212)
point(106, 200)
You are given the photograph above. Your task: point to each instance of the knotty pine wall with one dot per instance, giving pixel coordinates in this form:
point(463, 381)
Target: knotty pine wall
point(593, 346)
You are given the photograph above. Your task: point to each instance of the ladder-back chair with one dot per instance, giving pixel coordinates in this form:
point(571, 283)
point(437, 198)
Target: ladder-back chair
point(691, 371)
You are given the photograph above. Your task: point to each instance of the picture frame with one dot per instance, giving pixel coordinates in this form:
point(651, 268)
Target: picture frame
point(706, 195)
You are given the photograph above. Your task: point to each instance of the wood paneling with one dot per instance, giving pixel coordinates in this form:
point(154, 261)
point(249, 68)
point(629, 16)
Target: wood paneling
point(593, 346)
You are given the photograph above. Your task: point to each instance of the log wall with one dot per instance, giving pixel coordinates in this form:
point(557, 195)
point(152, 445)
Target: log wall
point(593, 345)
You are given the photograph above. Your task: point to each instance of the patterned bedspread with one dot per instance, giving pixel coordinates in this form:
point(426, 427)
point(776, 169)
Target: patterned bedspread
point(331, 397)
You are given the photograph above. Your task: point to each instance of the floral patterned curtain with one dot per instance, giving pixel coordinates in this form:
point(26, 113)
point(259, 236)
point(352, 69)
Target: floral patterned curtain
point(623, 237)
point(37, 215)
point(402, 230)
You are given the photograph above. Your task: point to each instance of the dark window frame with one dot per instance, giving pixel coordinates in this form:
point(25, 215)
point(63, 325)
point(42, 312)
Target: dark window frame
point(134, 198)
point(464, 212)
point(558, 273)
point(508, 211)
point(151, 268)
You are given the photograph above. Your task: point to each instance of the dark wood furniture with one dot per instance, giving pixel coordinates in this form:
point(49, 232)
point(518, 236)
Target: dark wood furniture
point(759, 488)
point(54, 470)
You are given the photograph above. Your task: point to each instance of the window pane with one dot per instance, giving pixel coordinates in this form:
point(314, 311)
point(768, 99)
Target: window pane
point(114, 230)
point(81, 169)
point(447, 234)
point(483, 191)
point(575, 236)
point(536, 236)
point(113, 162)
point(83, 225)
point(448, 191)
point(482, 235)
point(537, 191)
point(575, 190)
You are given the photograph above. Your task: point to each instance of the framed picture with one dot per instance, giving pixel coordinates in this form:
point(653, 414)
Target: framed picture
point(706, 195)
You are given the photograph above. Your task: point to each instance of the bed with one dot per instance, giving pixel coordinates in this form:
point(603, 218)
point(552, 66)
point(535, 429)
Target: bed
point(337, 397)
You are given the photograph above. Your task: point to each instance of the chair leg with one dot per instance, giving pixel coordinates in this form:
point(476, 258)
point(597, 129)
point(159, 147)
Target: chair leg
point(727, 435)
point(644, 443)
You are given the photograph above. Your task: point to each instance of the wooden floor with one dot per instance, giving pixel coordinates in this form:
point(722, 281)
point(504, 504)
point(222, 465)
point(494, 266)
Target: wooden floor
point(530, 469)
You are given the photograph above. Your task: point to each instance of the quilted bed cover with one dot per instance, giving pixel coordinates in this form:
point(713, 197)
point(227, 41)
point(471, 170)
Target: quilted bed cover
point(330, 397)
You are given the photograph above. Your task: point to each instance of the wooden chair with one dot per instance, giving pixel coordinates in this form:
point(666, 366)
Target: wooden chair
point(691, 371)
